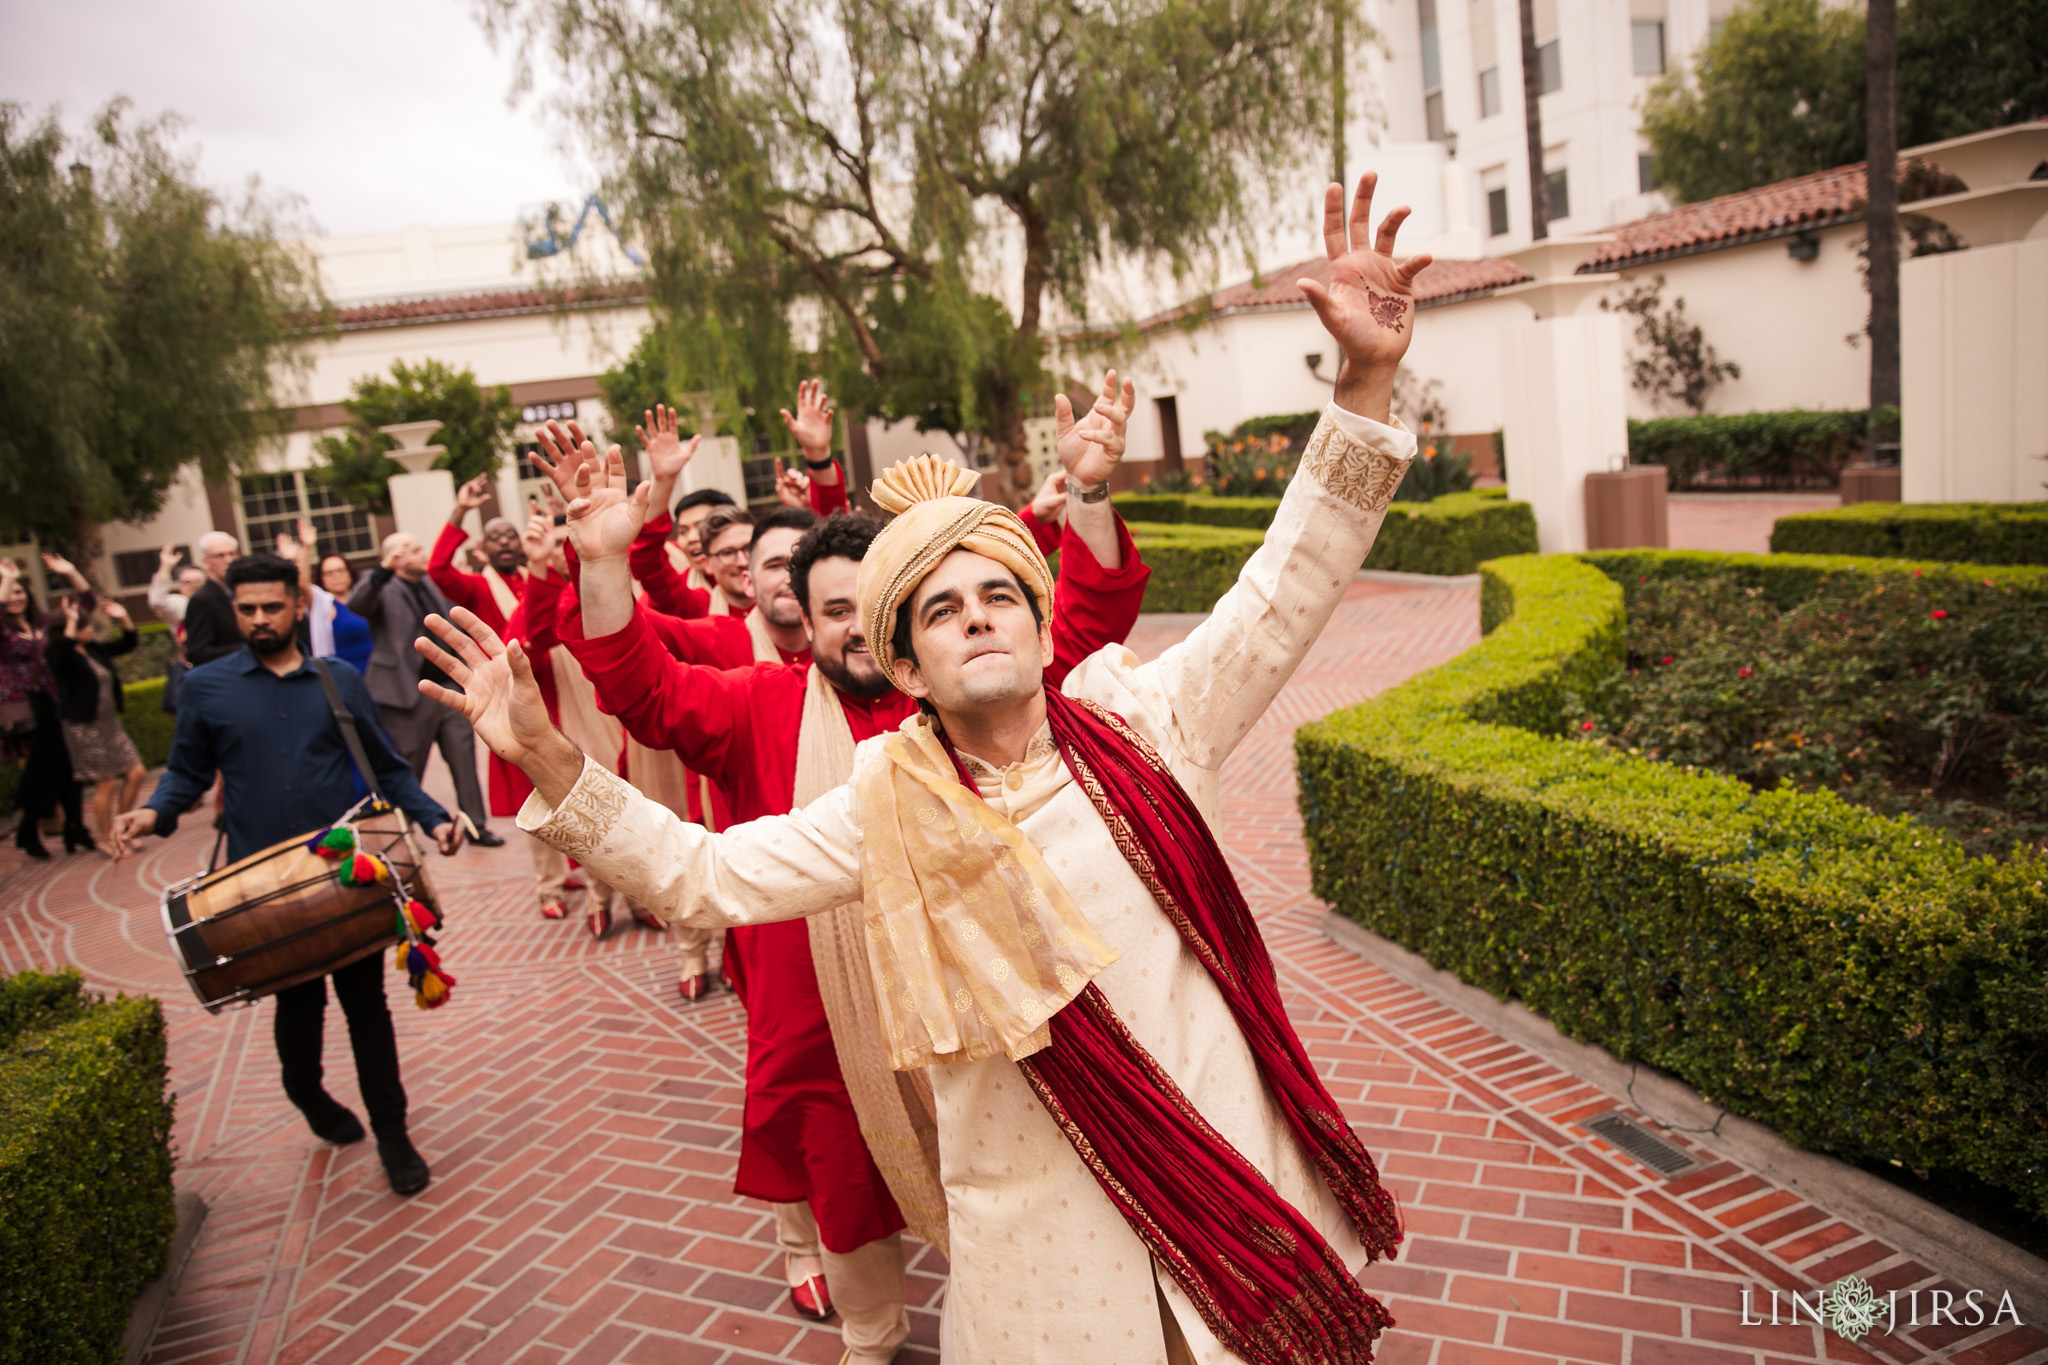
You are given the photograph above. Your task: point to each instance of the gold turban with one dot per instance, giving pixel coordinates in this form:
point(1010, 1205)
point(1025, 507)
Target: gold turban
point(934, 516)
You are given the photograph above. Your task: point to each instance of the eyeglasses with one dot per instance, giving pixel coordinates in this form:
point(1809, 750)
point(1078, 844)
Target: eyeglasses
point(736, 552)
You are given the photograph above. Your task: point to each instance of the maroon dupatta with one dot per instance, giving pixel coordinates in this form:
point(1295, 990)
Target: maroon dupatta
point(1260, 1274)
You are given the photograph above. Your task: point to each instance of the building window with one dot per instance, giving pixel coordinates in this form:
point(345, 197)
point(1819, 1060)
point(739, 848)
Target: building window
point(271, 505)
point(1432, 75)
point(134, 568)
point(1560, 192)
point(1489, 92)
point(1497, 212)
point(1549, 68)
point(1646, 172)
point(1646, 38)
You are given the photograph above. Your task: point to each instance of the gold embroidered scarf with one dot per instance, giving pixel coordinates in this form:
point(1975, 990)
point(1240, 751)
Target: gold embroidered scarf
point(973, 942)
point(898, 1115)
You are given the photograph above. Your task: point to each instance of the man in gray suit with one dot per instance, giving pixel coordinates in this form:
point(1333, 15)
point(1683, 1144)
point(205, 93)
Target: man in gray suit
point(395, 598)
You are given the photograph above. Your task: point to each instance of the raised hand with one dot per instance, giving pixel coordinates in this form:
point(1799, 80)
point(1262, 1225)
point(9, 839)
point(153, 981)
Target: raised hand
point(1091, 448)
point(542, 540)
point(1368, 307)
point(64, 568)
point(560, 452)
point(499, 698)
point(167, 558)
point(308, 537)
point(792, 487)
point(470, 496)
point(288, 545)
point(1049, 504)
point(667, 453)
point(604, 518)
point(118, 614)
point(812, 424)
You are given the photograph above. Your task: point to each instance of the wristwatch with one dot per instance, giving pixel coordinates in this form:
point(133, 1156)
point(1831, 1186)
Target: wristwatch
point(1095, 494)
point(825, 463)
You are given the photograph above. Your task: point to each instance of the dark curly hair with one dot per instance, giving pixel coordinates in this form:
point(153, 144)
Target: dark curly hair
point(846, 536)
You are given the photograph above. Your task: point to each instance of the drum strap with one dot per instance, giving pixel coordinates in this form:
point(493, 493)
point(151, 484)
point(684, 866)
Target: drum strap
point(347, 720)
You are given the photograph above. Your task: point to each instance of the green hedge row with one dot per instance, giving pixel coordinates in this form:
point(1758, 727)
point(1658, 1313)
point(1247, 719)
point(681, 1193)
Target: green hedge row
point(1206, 509)
point(143, 719)
point(1453, 534)
point(1792, 449)
point(1196, 543)
point(1192, 565)
point(86, 1205)
point(1855, 981)
point(1969, 532)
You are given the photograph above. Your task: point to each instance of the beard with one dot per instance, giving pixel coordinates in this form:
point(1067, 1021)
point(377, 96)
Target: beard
point(781, 611)
point(266, 642)
point(861, 680)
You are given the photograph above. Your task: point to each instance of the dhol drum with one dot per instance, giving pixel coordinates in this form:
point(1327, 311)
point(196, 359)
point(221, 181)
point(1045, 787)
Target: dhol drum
point(283, 915)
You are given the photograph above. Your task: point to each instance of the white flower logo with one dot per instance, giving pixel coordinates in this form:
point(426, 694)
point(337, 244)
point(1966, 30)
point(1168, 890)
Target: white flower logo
point(1852, 1308)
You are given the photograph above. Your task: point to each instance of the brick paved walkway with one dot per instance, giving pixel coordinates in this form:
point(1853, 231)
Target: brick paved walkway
point(1735, 522)
point(582, 1129)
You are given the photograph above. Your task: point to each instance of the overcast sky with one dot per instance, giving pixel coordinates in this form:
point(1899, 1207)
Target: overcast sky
point(380, 114)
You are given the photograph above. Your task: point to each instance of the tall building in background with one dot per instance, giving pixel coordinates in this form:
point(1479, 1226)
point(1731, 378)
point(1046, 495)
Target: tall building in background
point(1450, 140)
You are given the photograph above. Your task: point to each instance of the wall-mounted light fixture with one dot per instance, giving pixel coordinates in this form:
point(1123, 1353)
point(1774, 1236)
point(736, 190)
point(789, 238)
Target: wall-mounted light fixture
point(1804, 247)
point(1315, 367)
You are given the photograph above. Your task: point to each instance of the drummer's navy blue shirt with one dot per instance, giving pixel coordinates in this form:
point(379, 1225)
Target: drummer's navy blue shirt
point(277, 745)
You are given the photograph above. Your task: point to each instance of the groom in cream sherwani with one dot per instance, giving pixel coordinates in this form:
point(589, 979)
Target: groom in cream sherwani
point(1140, 1163)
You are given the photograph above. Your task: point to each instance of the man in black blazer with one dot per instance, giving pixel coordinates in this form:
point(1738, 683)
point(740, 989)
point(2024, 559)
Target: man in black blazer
point(396, 598)
point(211, 630)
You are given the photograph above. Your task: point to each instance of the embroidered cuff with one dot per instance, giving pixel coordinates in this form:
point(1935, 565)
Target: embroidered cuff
point(1359, 460)
point(580, 825)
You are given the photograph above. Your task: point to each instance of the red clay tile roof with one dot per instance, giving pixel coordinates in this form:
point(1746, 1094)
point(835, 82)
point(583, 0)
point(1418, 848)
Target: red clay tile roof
point(467, 307)
point(1439, 283)
point(1804, 204)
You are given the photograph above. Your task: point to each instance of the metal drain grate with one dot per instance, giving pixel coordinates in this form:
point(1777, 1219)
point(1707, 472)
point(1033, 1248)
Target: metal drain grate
point(1620, 1131)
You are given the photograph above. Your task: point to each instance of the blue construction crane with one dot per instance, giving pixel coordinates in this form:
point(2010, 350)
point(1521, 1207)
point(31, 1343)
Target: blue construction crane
point(542, 230)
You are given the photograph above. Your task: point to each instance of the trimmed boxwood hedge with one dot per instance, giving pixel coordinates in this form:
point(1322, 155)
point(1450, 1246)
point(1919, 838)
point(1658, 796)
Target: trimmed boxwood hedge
point(1790, 449)
point(1191, 565)
point(1190, 539)
point(1853, 980)
point(1454, 534)
point(1970, 532)
point(144, 720)
point(86, 1204)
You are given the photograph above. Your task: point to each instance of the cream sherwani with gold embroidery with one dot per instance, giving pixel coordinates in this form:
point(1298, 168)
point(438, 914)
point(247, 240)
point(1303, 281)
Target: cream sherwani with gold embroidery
point(1045, 1270)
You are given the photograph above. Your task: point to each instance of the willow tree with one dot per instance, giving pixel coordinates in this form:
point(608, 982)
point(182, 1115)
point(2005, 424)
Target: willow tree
point(932, 175)
point(147, 323)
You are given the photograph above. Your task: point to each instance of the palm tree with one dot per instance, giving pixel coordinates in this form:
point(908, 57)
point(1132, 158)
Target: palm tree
point(1532, 123)
point(1881, 214)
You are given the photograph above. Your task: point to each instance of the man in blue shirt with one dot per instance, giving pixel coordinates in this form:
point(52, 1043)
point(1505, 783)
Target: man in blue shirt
point(261, 719)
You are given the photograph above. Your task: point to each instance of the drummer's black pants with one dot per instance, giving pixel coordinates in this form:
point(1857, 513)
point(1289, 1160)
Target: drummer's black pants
point(301, 1016)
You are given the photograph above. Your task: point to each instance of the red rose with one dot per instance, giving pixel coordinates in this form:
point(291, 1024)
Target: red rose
point(1587, 726)
point(1665, 660)
point(1746, 672)
point(1938, 614)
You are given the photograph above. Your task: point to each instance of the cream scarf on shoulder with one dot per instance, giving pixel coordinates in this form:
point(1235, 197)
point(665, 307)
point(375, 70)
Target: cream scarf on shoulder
point(897, 1114)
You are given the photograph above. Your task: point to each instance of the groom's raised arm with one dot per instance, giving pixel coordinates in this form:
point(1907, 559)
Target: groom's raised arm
point(1215, 684)
point(781, 868)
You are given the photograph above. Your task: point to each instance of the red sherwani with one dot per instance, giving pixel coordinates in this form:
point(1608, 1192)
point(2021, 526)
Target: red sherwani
point(508, 786)
point(800, 1139)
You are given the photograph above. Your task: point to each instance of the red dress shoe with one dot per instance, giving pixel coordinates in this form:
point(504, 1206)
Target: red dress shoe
point(811, 1298)
point(573, 884)
point(645, 917)
point(694, 988)
point(553, 910)
point(598, 922)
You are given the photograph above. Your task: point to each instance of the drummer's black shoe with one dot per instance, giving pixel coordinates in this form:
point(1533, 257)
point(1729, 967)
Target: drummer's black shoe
point(29, 840)
point(404, 1165)
point(336, 1125)
point(485, 839)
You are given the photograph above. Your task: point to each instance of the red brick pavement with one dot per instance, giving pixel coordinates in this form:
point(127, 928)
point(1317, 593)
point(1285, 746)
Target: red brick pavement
point(582, 1125)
